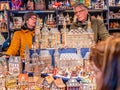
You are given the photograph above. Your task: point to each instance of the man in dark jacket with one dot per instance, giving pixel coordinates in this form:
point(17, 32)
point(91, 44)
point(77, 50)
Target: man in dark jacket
point(98, 27)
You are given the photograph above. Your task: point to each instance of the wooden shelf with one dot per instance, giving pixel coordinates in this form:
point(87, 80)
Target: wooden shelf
point(114, 6)
point(112, 29)
point(4, 32)
point(69, 10)
point(66, 24)
point(90, 10)
point(114, 18)
point(97, 10)
point(35, 11)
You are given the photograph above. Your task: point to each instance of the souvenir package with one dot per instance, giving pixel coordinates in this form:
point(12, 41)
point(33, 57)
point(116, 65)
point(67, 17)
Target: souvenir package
point(11, 83)
point(3, 20)
point(98, 4)
point(30, 5)
point(4, 5)
point(73, 2)
point(111, 3)
point(16, 4)
point(40, 5)
point(87, 3)
point(3, 27)
point(17, 22)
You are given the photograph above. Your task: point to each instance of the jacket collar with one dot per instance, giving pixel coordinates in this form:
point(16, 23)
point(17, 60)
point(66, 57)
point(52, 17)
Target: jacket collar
point(82, 24)
point(26, 31)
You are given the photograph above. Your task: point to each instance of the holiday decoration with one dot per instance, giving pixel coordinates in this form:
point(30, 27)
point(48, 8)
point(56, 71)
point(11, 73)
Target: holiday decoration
point(16, 4)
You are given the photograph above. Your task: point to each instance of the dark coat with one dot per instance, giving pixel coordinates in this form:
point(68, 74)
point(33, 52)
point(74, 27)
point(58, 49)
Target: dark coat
point(99, 29)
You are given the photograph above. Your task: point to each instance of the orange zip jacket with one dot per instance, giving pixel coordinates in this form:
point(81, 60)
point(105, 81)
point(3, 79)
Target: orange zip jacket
point(19, 41)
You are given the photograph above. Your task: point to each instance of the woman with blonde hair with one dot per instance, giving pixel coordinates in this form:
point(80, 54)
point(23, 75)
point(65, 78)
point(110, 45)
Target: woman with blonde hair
point(105, 57)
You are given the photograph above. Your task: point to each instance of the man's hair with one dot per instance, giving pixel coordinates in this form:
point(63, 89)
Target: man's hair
point(78, 4)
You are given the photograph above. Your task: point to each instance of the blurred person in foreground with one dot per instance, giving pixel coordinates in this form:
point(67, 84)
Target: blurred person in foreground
point(105, 58)
point(23, 37)
point(82, 15)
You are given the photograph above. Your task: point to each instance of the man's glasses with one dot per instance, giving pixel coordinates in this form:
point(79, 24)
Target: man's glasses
point(80, 11)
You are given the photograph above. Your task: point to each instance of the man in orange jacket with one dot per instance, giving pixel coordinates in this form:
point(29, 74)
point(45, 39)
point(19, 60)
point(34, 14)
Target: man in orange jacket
point(23, 37)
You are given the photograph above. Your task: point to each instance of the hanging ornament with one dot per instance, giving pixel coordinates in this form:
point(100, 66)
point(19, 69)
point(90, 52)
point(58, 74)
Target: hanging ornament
point(16, 4)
